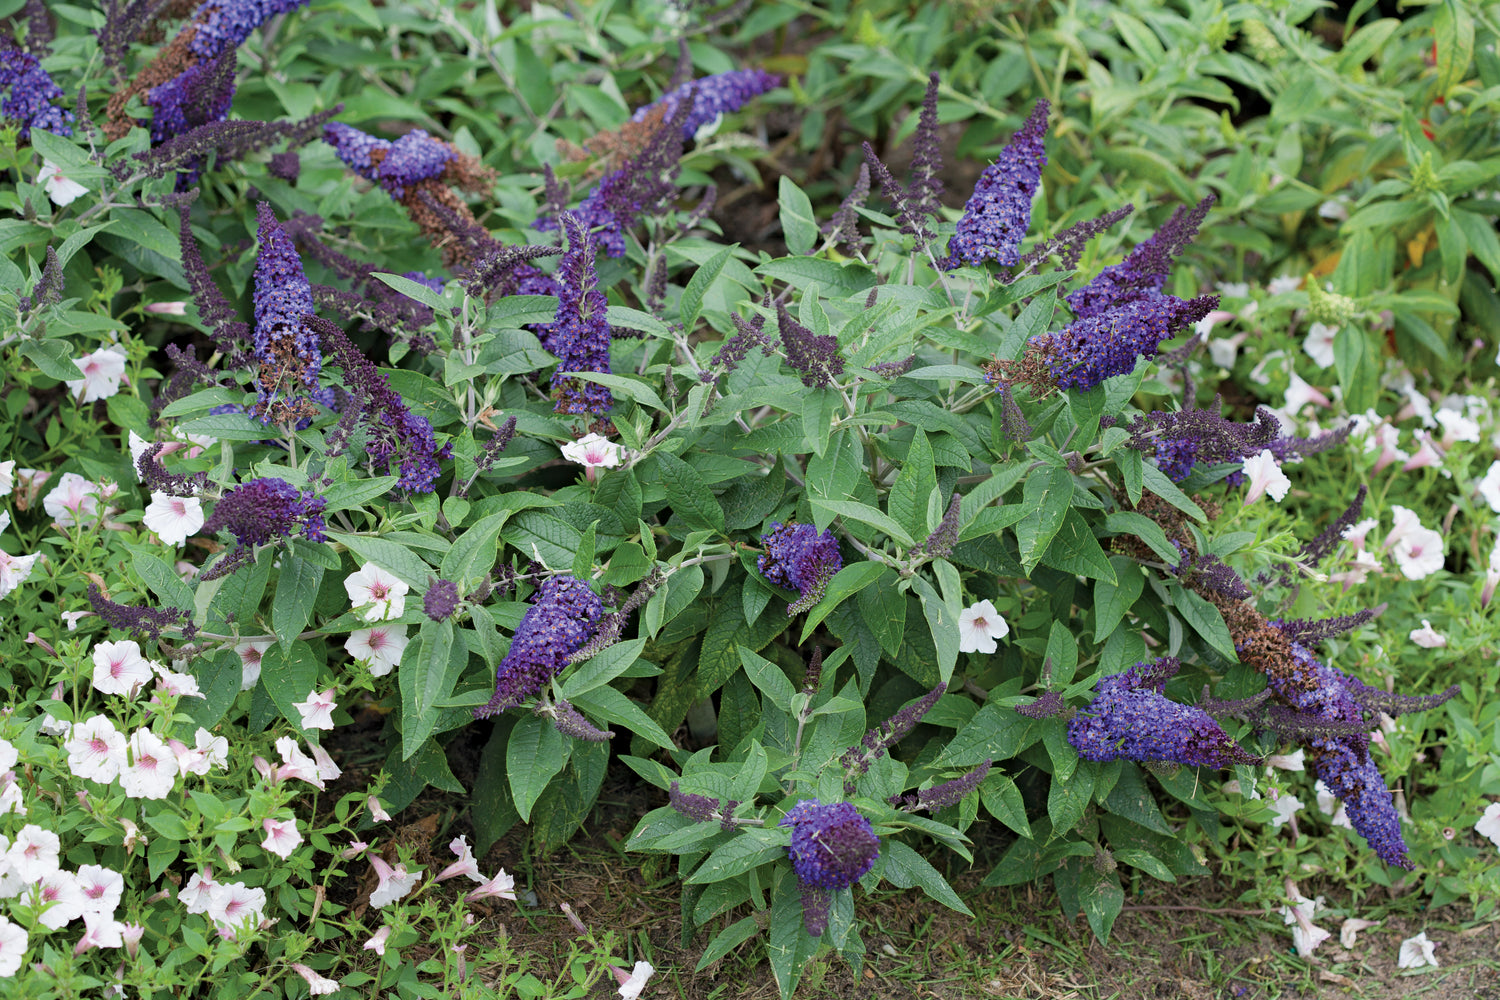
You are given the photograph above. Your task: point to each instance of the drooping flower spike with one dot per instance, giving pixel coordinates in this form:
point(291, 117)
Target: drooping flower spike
point(832, 847)
point(998, 213)
point(800, 559)
point(561, 618)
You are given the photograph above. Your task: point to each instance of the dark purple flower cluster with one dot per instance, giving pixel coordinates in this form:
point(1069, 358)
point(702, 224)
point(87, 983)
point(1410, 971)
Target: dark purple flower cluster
point(843, 226)
point(287, 349)
point(200, 94)
point(263, 510)
point(800, 559)
point(156, 478)
point(580, 334)
point(832, 848)
point(441, 600)
point(1067, 246)
point(815, 356)
point(354, 147)
point(1131, 719)
point(143, 621)
point(926, 187)
point(49, 287)
point(1145, 269)
point(699, 808)
point(939, 544)
point(721, 94)
point(573, 724)
point(1047, 704)
point(998, 213)
point(1188, 438)
point(29, 93)
point(561, 618)
point(875, 743)
point(748, 334)
point(1106, 344)
point(393, 433)
point(943, 795)
point(416, 156)
point(220, 25)
point(640, 188)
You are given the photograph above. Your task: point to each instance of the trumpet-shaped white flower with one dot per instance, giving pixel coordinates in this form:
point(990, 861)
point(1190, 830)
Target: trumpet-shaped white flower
point(502, 886)
point(317, 710)
point(14, 570)
point(1350, 928)
point(377, 940)
point(96, 750)
point(250, 657)
point(1489, 487)
point(34, 853)
point(75, 500)
point(1305, 934)
point(61, 189)
point(631, 985)
point(152, 771)
point(1427, 637)
point(316, 985)
point(119, 667)
point(197, 895)
point(231, 906)
point(381, 647)
point(282, 836)
point(1284, 806)
point(1265, 477)
point(1416, 952)
point(979, 625)
point(594, 452)
point(1419, 553)
point(465, 865)
point(13, 942)
point(394, 882)
point(1489, 823)
point(102, 370)
point(1319, 343)
point(173, 519)
point(102, 888)
point(378, 592)
point(7, 477)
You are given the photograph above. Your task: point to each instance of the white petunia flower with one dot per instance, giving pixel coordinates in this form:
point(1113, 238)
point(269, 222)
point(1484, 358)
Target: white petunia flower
point(979, 625)
point(465, 865)
point(1282, 284)
point(1489, 487)
point(96, 750)
point(1284, 807)
point(1426, 637)
point(173, 518)
point(377, 941)
point(377, 591)
point(317, 710)
point(119, 667)
point(250, 657)
point(631, 985)
point(231, 906)
point(593, 452)
point(1265, 476)
point(174, 683)
point(102, 372)
point(1329, 805)
point(282, 836)
point(1416, 952)
point(1305, 935)
point(74, 501)
point(34, 853)
point(101, 931)
point(197, 895)
point(1419, 553)
point(1350, 928)
point(7, 477)
point(215, 749)
point(381, 647)
point(1489, 823)
point(9, 755)
point(58, 899)
point(14, 570)
point(1294, 761)
point(1319, 343)
point(102, 888)
point(13, 942)
point(394, 882)
point(377, 811)
point(62, 190)
point(152, 771)
point(502, 886)
point(1457, 427)
point(316, 985)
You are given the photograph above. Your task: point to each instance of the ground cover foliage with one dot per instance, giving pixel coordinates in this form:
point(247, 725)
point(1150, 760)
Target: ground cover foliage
point(875, 429)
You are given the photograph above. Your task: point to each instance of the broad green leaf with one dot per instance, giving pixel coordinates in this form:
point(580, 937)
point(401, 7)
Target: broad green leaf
point(1048, 492)
point(610, 705)
point(1076, 551)
point(1113, 600)
point(845, 279)
point(797, 223)
point(1157, 482)
point(749, 849)
point(906, 869)
point(942, 621)
point(391, 556)
point(603, 667)
point(1003, 800)
point(1128, 522)
point(543, 536)
point(632, 388)
point(473, 552)
point(907, 501)
point(689, 495)
point(1205, 620)
point(583, 558)
point(863, 513)
point(296, 593)
point(692, 296)
point(413, 290)
point(1067, 800)
point(995, 733)
point(427, 675)
point(789, 946)
point(727, 940)
point(53, 357)
point(288, 674)
point(535, 753)
point(768, 678)
point(356, 492)
point(845, 584)
point(1453, 30)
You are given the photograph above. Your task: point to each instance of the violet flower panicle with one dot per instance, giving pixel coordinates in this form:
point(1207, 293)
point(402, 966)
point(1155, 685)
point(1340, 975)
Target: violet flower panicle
point(998, 213)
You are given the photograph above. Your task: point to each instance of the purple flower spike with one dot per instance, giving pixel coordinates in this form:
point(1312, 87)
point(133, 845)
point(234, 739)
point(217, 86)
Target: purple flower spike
point(354, 148)
point(416, 156)
point(717, 95)
point(288, 350)
point(1146, 267)
point(998, 214)
point(1130, 719)
point(580, 334)
point(221, 25)
point(264, 510)
point(800, 559)
point(1103, 345)
point(832, 847)
point(200, 94)
point(441, 600)
point(561, 618)
point(29, 93)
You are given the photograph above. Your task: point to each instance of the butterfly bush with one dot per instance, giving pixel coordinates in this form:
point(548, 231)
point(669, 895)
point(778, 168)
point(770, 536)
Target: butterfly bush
point(1027, 575)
